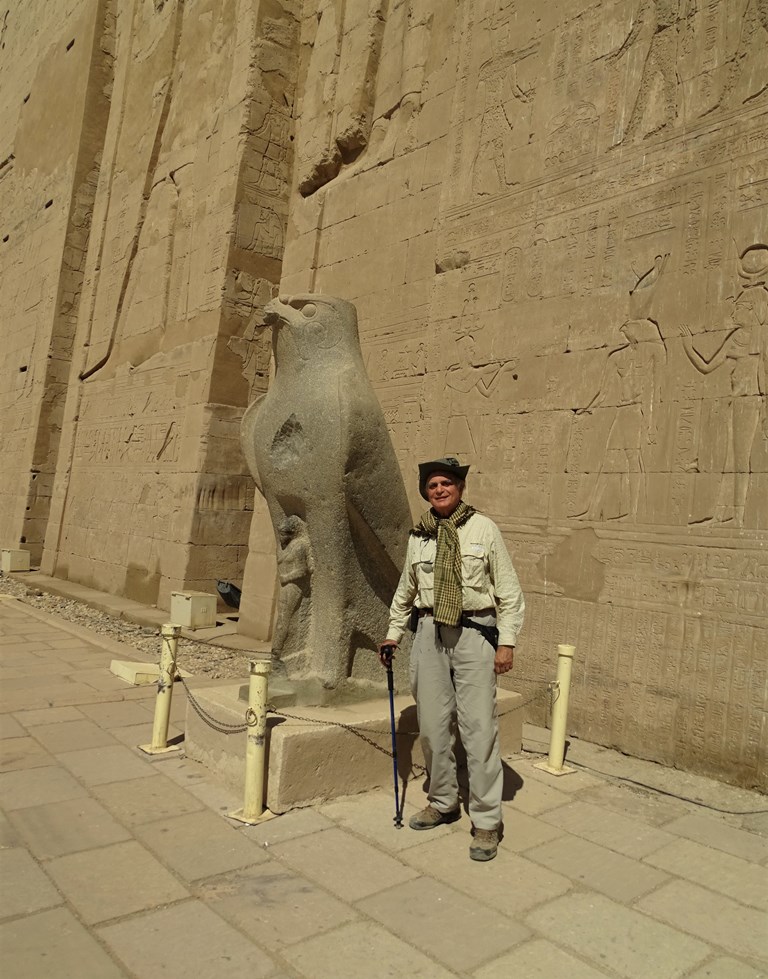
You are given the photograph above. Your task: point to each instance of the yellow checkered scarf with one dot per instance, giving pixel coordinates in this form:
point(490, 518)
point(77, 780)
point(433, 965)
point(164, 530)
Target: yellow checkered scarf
point(448, 598)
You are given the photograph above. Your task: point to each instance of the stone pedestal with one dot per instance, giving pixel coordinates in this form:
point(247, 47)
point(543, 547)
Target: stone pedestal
point(310, 758)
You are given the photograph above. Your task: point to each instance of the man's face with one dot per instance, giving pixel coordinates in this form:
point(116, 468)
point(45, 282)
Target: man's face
point(444, 493)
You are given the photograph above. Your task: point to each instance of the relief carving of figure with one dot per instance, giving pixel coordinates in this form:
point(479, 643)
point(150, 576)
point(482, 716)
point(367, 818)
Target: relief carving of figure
point(743, 355)
point(631, 384)
point(318, 446)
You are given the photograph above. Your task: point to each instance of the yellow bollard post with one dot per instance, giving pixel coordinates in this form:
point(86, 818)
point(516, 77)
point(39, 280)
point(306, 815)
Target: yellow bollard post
point(170, 637)
point(253, 810)
point(554, 763)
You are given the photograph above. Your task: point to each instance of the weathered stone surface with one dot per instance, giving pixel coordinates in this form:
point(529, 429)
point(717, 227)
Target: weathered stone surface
point(318, 447)
point(551, 219)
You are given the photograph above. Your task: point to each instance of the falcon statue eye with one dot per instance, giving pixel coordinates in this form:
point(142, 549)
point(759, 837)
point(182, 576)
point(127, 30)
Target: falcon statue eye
point(308, 310)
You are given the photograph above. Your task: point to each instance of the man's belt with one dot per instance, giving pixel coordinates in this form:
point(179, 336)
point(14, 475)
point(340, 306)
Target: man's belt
point(467, 611)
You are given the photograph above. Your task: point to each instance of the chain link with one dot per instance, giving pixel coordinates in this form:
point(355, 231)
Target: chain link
point(213, 722)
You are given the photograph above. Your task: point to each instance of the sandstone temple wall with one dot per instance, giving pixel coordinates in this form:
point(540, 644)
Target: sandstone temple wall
point(553, 219)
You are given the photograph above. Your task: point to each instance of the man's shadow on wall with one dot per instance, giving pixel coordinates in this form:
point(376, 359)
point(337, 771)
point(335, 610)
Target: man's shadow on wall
point(411, 773)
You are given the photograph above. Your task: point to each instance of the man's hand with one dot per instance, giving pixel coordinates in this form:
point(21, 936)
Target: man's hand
point(505, 658)
point(387, 652)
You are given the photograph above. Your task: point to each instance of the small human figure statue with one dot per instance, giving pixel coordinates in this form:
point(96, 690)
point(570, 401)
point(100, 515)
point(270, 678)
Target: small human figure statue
point(294, 568)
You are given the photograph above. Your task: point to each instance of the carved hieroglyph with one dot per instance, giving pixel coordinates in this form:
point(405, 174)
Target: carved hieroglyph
point(318, 447)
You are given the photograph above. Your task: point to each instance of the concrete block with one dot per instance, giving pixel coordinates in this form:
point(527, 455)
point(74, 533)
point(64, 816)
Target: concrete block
point(538, 959)
point(312, 759)
point(14, 560)
point(193, 609)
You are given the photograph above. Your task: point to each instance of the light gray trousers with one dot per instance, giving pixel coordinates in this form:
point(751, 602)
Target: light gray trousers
point(453, 680)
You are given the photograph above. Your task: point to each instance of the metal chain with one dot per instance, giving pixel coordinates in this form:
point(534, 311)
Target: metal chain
point(213, 722)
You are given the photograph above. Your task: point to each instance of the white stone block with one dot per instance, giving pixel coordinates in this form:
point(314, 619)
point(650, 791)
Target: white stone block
point(193, 609)
point(14, 560)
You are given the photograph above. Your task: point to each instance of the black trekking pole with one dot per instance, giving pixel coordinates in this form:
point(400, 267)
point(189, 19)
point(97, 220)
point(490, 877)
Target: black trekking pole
point(388, 652)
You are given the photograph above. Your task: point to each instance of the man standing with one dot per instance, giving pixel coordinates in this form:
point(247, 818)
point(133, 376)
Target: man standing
point(459, 580)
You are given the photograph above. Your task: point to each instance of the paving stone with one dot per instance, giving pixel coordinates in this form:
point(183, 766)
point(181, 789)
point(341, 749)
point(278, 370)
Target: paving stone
point(99, 678)
point(713, 917)
point(538, 959)
point(535, 797)
point(713, 832)
point(39, 696)
point(72, 736)
point(371, 814)
point(651, 808)
point(274, 905)
point(145, 800)
point(49, 715)
point(448, 861)
point(66, 827)
point(618, 938)
point(110, 763)
point(727, 968)
point(10, 727)
point(366, 869)
point(37, 786)
point(17, 754)
point(199, 844)
point(114, 881)
point(628, 836)
point(183, 941)
point(714, 869)
point(288, 826)
point(53, 944)
point(24, 888)
point(194, 778)
point(598, 868)
point(447, 925)
point(121, 713)
point(8, 835)
point(521, 832)
point(361, 950)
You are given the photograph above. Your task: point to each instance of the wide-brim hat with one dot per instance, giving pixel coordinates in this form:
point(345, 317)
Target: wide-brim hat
point(447, 465)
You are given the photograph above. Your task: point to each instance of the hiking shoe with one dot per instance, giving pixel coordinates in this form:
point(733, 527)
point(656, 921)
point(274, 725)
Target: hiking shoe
point(430, 817)
point(484, 844)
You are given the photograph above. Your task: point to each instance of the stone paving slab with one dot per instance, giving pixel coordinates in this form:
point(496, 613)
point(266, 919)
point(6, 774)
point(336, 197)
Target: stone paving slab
point(72, 736)
point(274, 905)
point(24, 888)
point(598, 868)
point(145, 800)
point(113, 881)
point(450, 927)
point(183, 941)
point(66, 827)
point(713, 832)
point(53, 940)
point(710, 916)
point(539, 959)
point(716, 870)
point(362, 950)
point(150, 878)
point(320, 856)
point(20, 753)
point(199, 844)
point(610, 935)
point(492, 885)
point(618, 832)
